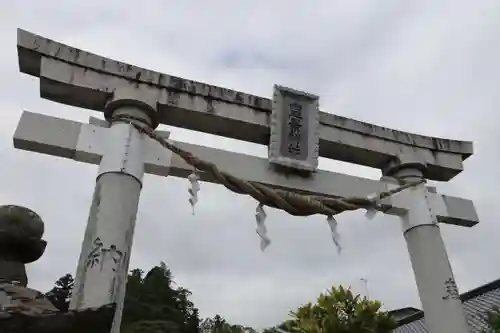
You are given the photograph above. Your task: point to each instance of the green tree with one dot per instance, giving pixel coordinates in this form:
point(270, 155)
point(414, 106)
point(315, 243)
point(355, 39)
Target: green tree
point(493, 320)
point(217, 324)
point(151, 326)
point(339, 311)
point(271, 330)
point(60, 295)
point(152, 303)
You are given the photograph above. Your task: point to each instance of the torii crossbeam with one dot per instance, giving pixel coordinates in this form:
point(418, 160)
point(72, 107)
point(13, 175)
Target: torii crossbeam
point(75, 77)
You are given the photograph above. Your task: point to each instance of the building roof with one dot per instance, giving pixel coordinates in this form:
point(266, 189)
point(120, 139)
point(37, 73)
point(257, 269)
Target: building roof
point(400, 314)
point(477, 303)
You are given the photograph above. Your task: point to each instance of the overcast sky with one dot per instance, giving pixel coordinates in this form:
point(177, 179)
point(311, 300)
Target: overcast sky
point(430, 67)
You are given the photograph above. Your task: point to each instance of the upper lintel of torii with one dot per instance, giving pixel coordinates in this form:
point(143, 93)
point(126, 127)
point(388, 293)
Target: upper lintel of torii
point(75, 77)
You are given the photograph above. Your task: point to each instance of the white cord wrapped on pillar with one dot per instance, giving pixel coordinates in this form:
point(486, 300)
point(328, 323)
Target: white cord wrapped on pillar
point(260, 218)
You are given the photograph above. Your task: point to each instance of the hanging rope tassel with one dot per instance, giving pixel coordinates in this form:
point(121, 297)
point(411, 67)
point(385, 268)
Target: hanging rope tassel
point(371, 212)
point(335, 235)
point(194, 189)
point(260, 218)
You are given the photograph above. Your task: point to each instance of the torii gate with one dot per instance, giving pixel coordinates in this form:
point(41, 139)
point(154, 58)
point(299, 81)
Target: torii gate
point(291, 124)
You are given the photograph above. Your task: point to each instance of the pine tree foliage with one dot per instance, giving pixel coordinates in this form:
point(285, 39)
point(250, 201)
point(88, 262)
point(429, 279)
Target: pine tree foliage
point(60, 295)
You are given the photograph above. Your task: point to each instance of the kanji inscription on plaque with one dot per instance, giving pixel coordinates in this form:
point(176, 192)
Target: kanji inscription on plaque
point(294, 129)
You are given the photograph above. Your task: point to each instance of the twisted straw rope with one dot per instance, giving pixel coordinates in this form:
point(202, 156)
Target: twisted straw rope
point(293, 203)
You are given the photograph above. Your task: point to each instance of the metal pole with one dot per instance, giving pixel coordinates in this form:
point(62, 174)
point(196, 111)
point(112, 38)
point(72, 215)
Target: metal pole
point(104, 260)
point(365, 284)
point(437, 289)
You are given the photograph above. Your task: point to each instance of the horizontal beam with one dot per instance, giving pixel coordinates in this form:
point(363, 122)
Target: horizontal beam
point(69, 139)
point(83, 79)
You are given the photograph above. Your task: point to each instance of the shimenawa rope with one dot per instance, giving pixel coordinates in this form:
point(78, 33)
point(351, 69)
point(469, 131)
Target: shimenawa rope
point(293, 203)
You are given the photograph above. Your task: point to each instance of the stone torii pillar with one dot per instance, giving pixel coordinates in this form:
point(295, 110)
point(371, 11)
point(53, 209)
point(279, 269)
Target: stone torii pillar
point(428, 257)
point(104, 260)
point(75, 77)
